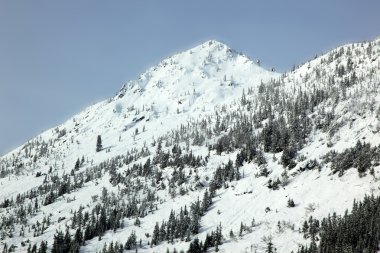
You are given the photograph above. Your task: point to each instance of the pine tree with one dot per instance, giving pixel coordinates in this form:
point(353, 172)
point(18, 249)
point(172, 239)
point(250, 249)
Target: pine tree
point(195, 247)
point(287, 155)
point(291, 203)
point(195, 217)
point(232, 236)
point(131, 241)
point(58, 244)
point(207, 201)
point(99, 145)
point(241, 229)
point(77, 165)
point(137, 222)
point(156, 234)
point(43, 247)
point(270, 248)
point(218, 236)
point(78, 236)
point(67, 241)
point(34, 249)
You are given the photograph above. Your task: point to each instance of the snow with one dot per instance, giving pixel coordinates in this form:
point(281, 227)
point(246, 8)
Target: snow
point(181, 90)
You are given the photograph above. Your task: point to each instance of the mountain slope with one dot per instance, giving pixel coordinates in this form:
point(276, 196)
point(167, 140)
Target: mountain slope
point(207, 119)
point(181, 88)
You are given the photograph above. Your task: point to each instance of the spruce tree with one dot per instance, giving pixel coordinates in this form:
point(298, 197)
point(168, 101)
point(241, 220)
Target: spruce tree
point(99, 145)
point(291, 203)
point(43, 247)
point(270, 248)
point(156, 234)
point(77, 165)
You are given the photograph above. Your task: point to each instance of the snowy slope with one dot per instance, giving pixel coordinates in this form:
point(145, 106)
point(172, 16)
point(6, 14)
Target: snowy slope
point(180, 89)
point(183, 90)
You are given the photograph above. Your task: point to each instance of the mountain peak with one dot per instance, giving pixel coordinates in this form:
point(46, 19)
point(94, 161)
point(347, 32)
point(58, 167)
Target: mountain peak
point(209, 60)
point(212, 46)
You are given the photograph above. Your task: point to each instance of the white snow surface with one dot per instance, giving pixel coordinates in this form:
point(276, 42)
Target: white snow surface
point(183, 89)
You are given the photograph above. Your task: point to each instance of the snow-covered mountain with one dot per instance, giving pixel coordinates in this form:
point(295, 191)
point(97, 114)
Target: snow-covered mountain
point(269, 149)
point(180, 89)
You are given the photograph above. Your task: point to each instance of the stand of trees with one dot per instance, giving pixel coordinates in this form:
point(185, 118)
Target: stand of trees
point(183, 225)
point(357, 231)
point(212, 240)
point(360, 157)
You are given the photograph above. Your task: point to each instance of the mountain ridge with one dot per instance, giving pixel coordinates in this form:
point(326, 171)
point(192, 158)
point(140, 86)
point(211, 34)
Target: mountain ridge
point(255, 138)
point(153, 77)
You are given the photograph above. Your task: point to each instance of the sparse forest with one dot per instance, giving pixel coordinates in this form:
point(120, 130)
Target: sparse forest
point(184, 188)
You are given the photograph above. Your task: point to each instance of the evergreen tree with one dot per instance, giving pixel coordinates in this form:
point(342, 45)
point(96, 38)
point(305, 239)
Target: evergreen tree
point(291, 203)
point(77, 165)
point(99, 145)
point(156, 234)
point(195, 246)
point(270, 247)
point(43, 247)
point(67, 241)
point(131, 241)
point(58, 243)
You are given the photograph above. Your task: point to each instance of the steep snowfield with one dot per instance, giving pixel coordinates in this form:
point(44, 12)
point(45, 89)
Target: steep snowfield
point(182, 90)
point(179, 90)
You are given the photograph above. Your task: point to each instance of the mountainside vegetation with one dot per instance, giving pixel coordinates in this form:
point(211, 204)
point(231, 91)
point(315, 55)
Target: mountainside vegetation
point(208, 152)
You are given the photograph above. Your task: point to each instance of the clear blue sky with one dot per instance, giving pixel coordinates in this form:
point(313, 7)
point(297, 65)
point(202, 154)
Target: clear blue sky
point(57, 57)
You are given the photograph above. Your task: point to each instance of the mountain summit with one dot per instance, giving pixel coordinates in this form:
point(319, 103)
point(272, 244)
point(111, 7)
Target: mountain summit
point(211, 60)
point(207, 152)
